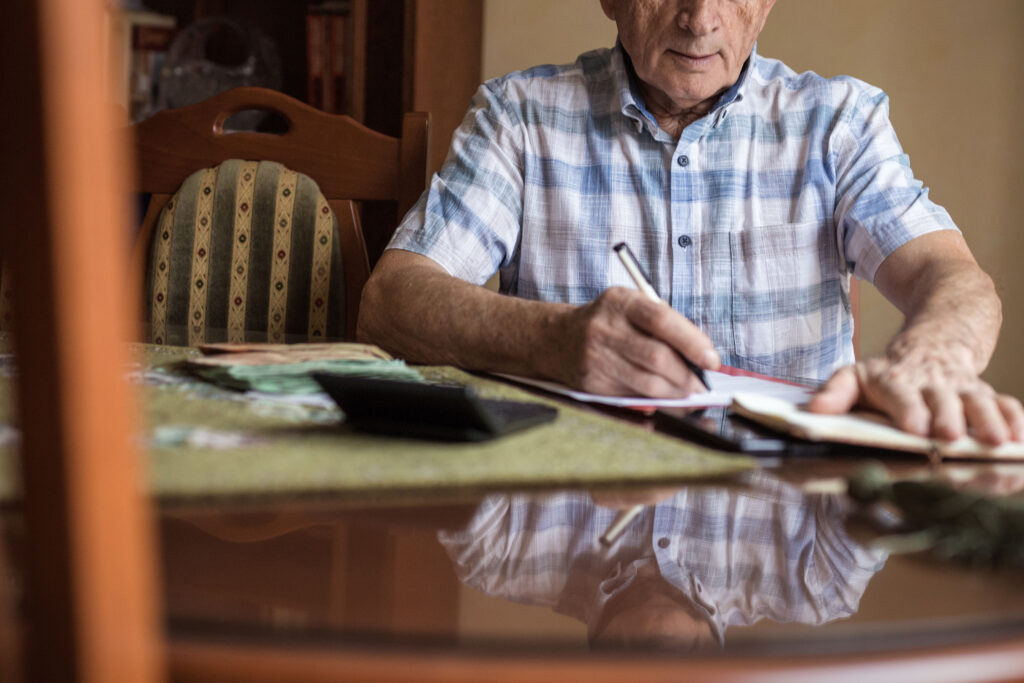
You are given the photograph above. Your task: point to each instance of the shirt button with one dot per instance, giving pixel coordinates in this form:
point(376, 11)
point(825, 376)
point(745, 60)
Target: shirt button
point(663, 542)
point(684, 241)
point(683, 160)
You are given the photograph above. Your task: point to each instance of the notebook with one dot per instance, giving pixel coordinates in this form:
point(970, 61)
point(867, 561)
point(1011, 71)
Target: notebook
point(863, 429)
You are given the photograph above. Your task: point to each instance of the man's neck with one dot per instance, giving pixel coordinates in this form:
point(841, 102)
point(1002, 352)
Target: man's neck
point(672, 118)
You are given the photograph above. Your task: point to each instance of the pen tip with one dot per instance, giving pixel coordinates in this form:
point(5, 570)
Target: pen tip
point(619, 246)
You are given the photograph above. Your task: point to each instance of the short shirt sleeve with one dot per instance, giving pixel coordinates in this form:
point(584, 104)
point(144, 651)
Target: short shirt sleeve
point(880, 205)
point(469, 218)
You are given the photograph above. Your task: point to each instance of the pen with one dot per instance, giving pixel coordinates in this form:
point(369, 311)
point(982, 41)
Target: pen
point(633, 268)
point(618, 525)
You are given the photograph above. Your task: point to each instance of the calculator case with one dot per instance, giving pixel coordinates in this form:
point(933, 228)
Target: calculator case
point(428, 411)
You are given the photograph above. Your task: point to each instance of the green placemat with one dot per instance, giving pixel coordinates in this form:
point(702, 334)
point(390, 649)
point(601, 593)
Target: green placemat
point(207, 442)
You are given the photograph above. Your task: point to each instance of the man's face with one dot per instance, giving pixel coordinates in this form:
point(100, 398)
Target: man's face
point(687, 51)
point(651, 613)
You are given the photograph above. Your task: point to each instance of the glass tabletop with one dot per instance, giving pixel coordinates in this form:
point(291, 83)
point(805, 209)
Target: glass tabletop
point(773, 561)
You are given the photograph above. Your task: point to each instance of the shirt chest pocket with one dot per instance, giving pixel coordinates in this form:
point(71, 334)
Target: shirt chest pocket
point(788, 300)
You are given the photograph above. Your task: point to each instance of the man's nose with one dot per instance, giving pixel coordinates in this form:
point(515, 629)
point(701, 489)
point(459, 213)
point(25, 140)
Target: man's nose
point(699, 17)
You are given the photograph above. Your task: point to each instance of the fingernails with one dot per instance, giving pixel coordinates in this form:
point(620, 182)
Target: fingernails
point(709, 359)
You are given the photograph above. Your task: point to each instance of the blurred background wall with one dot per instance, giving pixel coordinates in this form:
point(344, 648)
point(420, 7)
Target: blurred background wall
point(957, 95)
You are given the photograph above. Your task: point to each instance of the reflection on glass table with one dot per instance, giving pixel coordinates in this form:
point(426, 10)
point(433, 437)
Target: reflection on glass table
point(693, 564)
point(750, 565)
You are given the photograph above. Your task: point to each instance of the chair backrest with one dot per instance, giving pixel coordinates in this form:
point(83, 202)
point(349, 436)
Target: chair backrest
point(348, 162)
point(246, 251)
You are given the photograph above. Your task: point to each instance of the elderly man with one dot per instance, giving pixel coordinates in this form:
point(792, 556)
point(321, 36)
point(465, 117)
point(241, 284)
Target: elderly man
point(750, 194)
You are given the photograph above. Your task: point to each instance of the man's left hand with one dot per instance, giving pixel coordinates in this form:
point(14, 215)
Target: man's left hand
point(927, 382)
point(925, 391)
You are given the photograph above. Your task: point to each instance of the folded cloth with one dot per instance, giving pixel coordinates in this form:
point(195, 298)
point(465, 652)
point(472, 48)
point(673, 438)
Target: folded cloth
point(287, 368)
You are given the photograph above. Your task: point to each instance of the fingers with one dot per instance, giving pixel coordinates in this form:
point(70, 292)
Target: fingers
point(653, 356)
point(869, 385)
point(984, 417)
point(618, 359)
point(948, 420)
point(988, 417)
point(625, 353)
point(662, 322)
point(905, 405)
point(946, 414)
point(1013, 413)
point(946, 410)
point(839, 394)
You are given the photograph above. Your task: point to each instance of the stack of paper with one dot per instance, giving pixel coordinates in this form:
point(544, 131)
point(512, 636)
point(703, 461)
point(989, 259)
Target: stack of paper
point(723, 387)
point(286, 368)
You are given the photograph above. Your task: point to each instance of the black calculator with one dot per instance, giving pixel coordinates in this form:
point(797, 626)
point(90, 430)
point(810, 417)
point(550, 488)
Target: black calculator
point(423, 410)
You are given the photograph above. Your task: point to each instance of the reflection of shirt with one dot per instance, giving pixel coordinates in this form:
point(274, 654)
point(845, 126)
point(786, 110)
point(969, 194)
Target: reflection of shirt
point(741, 554)
point(748, 224)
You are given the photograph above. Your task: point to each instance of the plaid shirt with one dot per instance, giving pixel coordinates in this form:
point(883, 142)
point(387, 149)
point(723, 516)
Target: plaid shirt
point(749, 224)
point(760, 550)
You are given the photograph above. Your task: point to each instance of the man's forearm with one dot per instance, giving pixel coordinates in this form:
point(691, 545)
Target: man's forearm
point(953, 308)
point(422, 314)
point(620, 343)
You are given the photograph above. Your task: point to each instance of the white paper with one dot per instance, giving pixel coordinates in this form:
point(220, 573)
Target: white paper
point(723, 388)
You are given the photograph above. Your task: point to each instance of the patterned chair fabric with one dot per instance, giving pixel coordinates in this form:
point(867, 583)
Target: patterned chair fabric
point(245, 251)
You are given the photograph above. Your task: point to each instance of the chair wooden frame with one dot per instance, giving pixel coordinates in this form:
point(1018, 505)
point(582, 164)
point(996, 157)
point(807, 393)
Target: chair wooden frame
point(349, 162)
point(90, 571)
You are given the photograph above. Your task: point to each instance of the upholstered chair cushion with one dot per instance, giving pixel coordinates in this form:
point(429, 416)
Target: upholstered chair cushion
point(245, 251)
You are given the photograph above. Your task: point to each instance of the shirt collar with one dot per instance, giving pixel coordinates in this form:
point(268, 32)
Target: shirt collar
point(631, 99)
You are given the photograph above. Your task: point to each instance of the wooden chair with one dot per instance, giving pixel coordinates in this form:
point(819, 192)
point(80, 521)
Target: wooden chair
point(347, 161)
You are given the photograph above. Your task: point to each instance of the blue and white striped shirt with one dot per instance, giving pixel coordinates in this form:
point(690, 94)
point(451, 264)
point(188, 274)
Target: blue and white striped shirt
point(749, 224)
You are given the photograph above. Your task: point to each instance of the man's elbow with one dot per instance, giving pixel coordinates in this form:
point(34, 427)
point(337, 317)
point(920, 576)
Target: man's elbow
point(996, 302)
point(371, 310)
point(402, 286)
point(391, 296)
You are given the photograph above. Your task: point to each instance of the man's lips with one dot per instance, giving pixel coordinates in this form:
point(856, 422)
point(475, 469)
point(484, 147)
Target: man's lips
point(694, 59)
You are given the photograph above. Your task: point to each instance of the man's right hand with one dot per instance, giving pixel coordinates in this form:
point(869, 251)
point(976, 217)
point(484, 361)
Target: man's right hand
point(622, 343)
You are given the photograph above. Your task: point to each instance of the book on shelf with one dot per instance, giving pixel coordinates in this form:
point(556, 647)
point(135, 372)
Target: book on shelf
point(327, 26)
point(138, 42)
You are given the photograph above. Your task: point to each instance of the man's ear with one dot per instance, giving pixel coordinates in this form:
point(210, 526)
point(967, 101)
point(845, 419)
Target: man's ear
point(609, 8)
